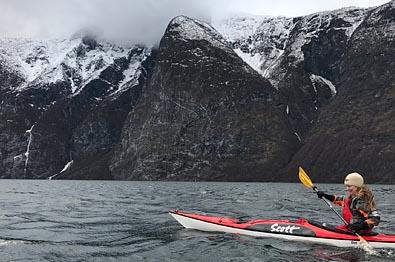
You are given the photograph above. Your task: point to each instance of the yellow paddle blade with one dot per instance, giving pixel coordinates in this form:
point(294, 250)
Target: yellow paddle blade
point(304, 178)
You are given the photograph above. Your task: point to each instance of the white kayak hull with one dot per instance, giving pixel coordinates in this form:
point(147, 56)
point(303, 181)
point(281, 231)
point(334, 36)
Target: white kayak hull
point(192, 223)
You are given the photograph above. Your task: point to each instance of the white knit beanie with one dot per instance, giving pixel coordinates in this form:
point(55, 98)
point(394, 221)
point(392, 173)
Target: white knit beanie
point(353, 179)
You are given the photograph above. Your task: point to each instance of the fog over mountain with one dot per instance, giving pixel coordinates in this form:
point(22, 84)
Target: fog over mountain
point(136, 21)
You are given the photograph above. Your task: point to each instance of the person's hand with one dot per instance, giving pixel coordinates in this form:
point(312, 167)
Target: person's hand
point(320, 194)
point(355, 227)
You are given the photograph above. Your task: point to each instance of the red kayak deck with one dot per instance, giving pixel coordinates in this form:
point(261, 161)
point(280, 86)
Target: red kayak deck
point(300, 227)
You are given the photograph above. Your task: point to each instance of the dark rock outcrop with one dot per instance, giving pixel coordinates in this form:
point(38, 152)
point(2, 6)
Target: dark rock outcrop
point(204, 115)
point(322, 40)
point(356, 131)
point(19, 111)
point(77, 119)
point(85, 127)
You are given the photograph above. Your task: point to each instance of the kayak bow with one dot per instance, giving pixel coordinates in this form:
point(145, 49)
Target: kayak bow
point(294, 230)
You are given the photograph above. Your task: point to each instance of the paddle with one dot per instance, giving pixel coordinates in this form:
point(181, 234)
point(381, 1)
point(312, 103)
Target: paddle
point(305, 179)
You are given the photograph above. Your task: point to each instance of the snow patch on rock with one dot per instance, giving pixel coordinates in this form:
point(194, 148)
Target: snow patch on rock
point(316, 78)
point(192, 29)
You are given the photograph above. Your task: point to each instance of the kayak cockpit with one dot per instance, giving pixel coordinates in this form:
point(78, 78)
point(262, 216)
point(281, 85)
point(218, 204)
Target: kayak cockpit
point(333, 228)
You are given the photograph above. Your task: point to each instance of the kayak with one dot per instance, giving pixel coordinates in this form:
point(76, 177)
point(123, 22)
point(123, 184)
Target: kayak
point(293, 230)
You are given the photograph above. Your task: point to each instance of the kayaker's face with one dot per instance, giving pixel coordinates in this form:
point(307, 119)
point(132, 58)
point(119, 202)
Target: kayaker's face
point(351, 190)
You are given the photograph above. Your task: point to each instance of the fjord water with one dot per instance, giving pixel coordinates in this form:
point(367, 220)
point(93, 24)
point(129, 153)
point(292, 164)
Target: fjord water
point(128, 221)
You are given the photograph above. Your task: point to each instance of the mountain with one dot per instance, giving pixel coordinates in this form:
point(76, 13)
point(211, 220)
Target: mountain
point(335, 72)
point(247, 98)
point(63, 101)
point(299, 56)
point(204, 114)
point(356, 130)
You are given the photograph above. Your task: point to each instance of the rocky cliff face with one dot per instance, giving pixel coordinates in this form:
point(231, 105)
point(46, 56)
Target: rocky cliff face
point(300, 56)
point(251, 99)
point(66, 105)
point(356, 130)
point(205, 114)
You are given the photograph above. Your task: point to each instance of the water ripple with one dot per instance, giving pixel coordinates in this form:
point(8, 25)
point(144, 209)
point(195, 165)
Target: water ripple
point(128, 221)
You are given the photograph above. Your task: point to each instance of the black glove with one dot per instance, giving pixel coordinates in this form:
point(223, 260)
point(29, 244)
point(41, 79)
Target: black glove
point(355, 227)
point(320, 194)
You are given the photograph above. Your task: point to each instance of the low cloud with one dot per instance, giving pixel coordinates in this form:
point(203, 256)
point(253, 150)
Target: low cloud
point(136, 21)
point(129, 21)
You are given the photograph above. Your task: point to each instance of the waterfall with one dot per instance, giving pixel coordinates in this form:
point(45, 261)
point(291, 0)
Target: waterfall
point(29, 141)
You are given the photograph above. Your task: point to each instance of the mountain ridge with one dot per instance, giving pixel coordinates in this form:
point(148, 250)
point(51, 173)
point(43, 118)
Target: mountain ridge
point(223, 105)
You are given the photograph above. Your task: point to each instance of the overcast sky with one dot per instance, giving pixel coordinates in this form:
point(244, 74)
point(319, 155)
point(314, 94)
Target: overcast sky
point(139, 20)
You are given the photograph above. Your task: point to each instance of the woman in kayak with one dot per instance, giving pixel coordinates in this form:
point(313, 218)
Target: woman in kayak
point(359, 207)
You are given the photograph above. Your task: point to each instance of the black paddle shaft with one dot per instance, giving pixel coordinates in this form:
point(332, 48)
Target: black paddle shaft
point(331, 207)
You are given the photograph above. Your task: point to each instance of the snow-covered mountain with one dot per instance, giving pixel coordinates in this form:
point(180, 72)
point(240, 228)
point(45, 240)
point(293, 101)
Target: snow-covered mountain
point(80, 77)
point(263, 41)
point(258, 40)
point(75, 61)
point(243, 98)
point(304, 51)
